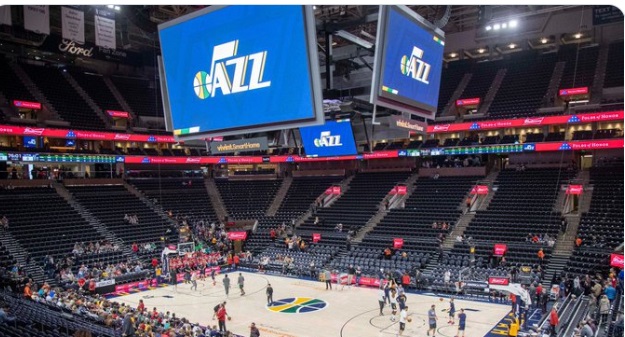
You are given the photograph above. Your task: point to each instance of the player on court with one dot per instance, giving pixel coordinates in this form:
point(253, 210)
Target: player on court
point(241, 282)
point(194, 277)
point(432, 320)
point(213, 276)
point(462, 319)
point(226, 282)
point(452, 312)
point(403, 318)
point(393, 304)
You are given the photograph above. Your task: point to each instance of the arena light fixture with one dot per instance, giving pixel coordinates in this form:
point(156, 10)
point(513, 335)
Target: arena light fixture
point(544, 40)
point(496, 26)
point(488, 28)
point(512, 46)
point(481, 50)
point(513, 23)
point(578, 35)
point(504, 25)
point(453, 55)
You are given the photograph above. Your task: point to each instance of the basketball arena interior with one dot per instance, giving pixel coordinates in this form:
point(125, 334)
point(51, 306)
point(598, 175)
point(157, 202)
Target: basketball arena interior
point(399, 171)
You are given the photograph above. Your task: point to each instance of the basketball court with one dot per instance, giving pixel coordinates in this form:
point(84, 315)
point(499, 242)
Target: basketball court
point(305, 309)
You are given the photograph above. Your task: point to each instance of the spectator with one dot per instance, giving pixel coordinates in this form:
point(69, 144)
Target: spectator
point(553, 321)
point(254, 331)
point(604, 307)
point(610, 292)
point(4, 315)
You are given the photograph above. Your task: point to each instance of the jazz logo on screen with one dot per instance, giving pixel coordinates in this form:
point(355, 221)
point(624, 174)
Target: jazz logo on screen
point(415, 67)
point(208, 84)
point(327, 140)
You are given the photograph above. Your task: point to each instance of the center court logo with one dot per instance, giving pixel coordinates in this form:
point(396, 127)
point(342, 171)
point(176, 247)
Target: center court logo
point(297, 305)
point(415, 67)
point(327, 140)
point(207, 85)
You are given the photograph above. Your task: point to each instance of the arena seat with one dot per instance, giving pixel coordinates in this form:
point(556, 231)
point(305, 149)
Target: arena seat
point(247, 199)
point(64, 98)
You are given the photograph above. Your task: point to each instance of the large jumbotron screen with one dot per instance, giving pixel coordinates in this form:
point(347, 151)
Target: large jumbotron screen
point(408, 62)
point(232, 69)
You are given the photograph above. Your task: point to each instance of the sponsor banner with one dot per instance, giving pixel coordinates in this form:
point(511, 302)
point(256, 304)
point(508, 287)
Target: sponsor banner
point(573, 91)
point(580, 145)
point(105, 28)
point(479, 189)
point(73, 24)
point(316, 237)
point(5, 15)
point(575, 189)
point(37, 19)
point(397, 122)
point(237, 235)
point(333, 190)
point(476, 284)
point(604, 14)
point(27, 105)
point(84, 135)
point(500, 249)
point(57, 44)
point(118, 114)
point(399, 189)
point(616, 260)
point(530, 121)
point(398, 243)
point(468, 101)
point(240, 145)
point(500, 281)
point(380, 155)
point(105, 283)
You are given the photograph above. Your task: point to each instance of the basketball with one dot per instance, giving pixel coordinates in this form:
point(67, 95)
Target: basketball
point(441, 299)
point(409, 319)
point(229, 318)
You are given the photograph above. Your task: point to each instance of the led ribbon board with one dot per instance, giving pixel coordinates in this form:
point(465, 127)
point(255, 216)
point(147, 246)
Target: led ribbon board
point(232, 69)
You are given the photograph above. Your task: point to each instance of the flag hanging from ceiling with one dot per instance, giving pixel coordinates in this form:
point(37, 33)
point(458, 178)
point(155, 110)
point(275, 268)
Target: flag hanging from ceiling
point(105, 28)
point(37, 19)
point(73, 24)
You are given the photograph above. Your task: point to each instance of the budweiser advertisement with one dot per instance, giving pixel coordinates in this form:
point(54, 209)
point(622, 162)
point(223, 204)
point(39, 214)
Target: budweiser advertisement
point(500, 249)
point(398, 243)
point(237, 235)
point(573, 91)
point(616, 260)
point(118, 114)
point(479, 189)
point(575, 189)
point(500, 281)
point(81, 134)
point(316, 237)
point(530, 121)
point(468, 101)
point(27, 105)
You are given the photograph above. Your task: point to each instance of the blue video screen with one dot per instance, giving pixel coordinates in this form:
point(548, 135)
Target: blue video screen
point(334, 138)
point(30, 142)
point(412, 62)
point(237, 68)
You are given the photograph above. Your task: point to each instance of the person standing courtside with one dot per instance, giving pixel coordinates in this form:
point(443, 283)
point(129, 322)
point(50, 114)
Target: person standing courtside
point(226, 283)
point(269, 293)
point(328, 277)
point(241, 282)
